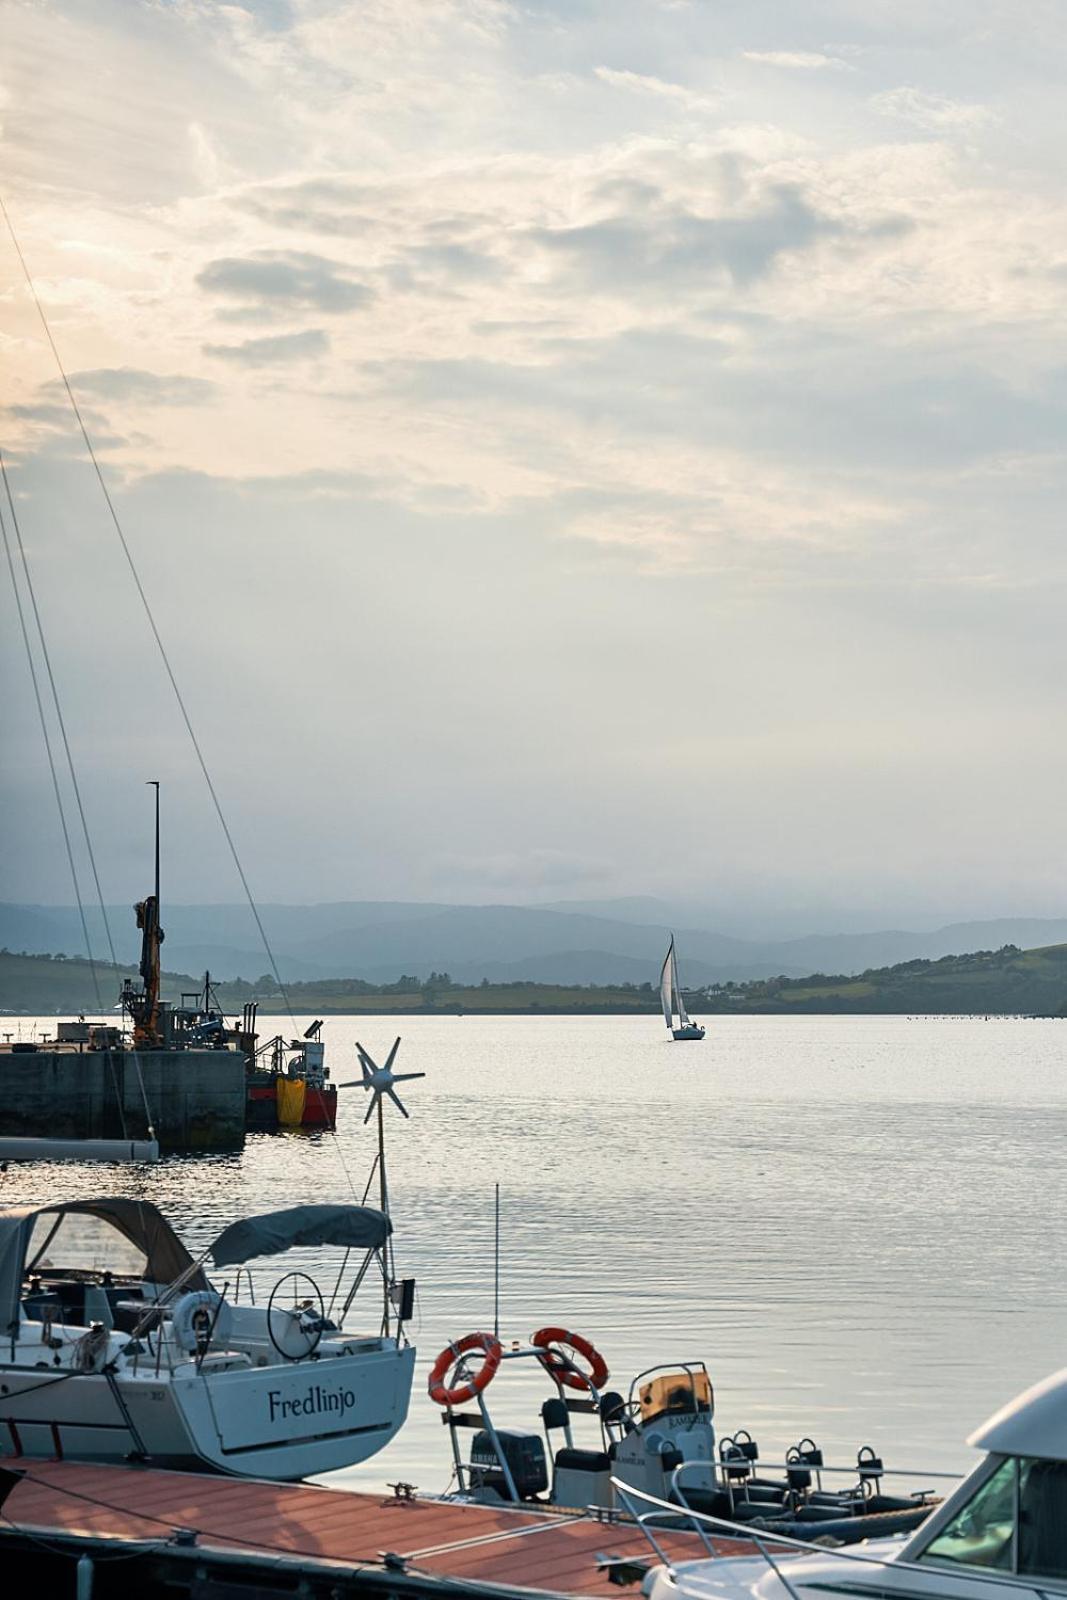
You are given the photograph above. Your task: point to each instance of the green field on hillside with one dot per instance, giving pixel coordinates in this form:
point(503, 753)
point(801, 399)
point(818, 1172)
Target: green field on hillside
point(1007, 981)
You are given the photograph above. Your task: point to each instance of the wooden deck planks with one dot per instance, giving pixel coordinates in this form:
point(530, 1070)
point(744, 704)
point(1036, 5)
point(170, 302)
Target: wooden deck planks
point(478, 1544)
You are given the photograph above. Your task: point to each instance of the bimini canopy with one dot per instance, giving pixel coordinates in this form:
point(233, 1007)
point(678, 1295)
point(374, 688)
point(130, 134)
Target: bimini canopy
point(136, 1220)
point(355, 1227)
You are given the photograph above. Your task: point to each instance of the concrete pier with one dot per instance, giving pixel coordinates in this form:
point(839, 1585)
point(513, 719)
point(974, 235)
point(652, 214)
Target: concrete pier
point(196, 1097)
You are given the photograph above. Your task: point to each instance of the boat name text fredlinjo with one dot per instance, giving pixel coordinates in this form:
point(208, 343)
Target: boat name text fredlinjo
point(311, 1404)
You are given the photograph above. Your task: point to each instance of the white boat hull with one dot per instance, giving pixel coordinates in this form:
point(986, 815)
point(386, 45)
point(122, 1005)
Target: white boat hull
point(283, 1422)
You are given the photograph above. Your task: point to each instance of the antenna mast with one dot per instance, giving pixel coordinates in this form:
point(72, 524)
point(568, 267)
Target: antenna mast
point(154, 783)
point(496, 1267)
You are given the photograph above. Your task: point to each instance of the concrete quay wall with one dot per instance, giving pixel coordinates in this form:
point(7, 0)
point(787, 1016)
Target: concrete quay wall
point(196, 1097)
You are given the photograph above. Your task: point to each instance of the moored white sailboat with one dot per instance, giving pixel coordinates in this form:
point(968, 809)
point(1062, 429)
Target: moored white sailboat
point(146, 1360)
point(671, 995)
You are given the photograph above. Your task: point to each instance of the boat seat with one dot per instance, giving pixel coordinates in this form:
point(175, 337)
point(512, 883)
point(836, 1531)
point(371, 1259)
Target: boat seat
point(41, 1304)
point(354, 1344)
point(127, 1306)
point(215, 1361)
point(70, 1294)
point(572, 1460)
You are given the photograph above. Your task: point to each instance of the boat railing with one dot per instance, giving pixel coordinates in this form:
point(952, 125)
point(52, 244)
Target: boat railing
point(866, 1474)
point(770, 1545)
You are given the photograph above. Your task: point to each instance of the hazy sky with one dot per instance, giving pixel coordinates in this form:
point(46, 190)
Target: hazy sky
point(572, 449)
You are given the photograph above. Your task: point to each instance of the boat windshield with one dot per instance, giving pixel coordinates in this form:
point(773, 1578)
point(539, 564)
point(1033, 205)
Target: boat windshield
point(73, 1241)
point(1016, 1521)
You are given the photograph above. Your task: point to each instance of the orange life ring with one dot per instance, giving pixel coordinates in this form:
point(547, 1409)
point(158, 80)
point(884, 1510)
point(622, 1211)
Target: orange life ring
point(555, 1365)
point(462, 1392)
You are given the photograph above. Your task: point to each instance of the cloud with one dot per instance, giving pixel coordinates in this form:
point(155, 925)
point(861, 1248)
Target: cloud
point(274, 348)
point(935, 112)
point(796, 60)
point(455, 261)
point(288, 279)
point(137, 385)
point(671, 245)
point(643, 83)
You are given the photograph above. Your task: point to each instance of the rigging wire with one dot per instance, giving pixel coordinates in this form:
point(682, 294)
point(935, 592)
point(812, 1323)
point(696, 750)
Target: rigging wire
point(51, 758)
point(150, 615)
point(55, 786)
point(58, 709)
point(127, 552)
point(74, 784)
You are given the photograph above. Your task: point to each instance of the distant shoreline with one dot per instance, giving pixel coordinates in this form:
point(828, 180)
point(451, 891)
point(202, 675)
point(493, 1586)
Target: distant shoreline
point(1008, 982)
point(278, 1014)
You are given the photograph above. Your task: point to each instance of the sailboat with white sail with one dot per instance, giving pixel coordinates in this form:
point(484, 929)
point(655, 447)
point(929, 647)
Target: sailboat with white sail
point(671, 995)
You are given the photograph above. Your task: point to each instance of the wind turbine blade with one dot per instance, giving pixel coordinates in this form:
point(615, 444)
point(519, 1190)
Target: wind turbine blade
point(406, 1077)
point(392, 1053)
point(370, 1110)
point(395, 1098)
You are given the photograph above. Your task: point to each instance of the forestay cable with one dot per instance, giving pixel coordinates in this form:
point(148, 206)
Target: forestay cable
point(127, 552)
point(51, 758)
point(148, 612)
point(58, 792)
point(58, 709)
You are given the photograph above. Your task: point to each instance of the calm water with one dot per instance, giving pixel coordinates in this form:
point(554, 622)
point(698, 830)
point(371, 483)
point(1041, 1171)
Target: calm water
point(856, 1222)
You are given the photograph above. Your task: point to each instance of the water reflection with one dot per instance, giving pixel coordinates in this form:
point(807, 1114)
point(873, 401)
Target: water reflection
point(856, 1222)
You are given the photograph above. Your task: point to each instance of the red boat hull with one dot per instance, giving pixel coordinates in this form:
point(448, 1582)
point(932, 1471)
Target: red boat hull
point(320, 1107)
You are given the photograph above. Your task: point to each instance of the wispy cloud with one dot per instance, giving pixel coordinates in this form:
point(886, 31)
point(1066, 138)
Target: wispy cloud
point(141, 387)
point(272, 280)
point(644, 83)
point(936, 112)
point(796, 60)
point(273, 348)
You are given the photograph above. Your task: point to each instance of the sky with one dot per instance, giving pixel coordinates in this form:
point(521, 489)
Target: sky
point(571, 450)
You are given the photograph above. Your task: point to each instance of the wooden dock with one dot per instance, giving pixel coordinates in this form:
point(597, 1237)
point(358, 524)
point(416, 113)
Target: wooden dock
point(178, 1533)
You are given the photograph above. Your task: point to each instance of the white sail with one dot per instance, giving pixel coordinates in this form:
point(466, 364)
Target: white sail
point(665, 983)
point(683, 1019)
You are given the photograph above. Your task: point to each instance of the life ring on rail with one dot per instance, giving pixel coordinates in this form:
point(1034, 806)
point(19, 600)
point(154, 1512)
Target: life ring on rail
point(560, 1368)
point(198, 1318)
point(462, 1392)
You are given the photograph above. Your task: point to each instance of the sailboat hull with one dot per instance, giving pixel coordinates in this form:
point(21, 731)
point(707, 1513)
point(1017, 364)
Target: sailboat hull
point(692, 1032)
point(281, 1422)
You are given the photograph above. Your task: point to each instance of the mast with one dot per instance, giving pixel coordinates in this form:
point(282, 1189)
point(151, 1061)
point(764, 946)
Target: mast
point(683, 1017)
point(144, 1007)
point(154, 783)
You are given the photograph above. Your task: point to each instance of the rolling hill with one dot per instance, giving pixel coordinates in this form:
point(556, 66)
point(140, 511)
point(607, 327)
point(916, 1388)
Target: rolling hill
point(383, 940)
point(1008, 981)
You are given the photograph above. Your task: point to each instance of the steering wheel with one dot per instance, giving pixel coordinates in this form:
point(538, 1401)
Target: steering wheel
point(300, 1315)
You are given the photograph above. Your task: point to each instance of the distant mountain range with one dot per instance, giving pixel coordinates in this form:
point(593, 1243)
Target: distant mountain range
point(588, 942)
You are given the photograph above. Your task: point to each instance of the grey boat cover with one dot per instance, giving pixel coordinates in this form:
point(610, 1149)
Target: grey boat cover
point(355, 1227)
point(136, 1220)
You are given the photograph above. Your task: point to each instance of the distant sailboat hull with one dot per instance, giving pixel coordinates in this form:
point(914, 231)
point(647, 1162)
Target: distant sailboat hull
point(693, 1031)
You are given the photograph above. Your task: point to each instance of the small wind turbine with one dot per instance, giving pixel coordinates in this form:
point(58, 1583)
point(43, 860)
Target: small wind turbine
point(380, 1080)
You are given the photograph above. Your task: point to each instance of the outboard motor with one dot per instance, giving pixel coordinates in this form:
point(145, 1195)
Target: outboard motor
point(525, 1456)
